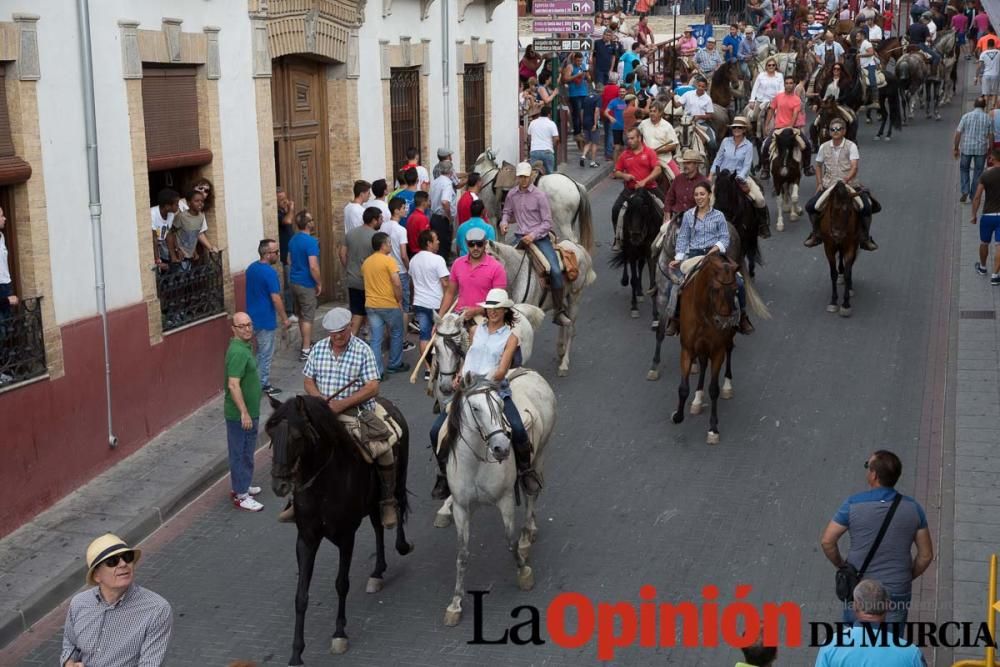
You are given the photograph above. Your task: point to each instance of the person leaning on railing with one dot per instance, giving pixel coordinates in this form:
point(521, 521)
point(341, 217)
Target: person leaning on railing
point(7, 297)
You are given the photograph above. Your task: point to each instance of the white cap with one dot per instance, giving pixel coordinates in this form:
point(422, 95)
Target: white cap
point(523, 169)
point(337, 319)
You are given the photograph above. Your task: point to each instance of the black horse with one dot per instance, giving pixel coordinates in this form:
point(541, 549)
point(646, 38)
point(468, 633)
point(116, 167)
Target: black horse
point(334, 489)
point(739, 211)
point(890, 107)
point(639, 228)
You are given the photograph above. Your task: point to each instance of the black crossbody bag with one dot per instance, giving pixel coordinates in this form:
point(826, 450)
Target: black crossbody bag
point(847, 576)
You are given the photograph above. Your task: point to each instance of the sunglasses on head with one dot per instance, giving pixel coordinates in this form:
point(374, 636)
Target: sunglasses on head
point(476, 244)
point(127, 556)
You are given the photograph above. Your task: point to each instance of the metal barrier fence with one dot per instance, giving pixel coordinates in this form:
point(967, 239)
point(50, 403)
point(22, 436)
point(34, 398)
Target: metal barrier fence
point(22, 345)
point(191, 292)
point(989, 660)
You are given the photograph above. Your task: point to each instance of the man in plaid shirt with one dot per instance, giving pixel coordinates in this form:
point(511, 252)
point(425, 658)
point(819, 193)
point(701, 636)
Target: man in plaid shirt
point(973, 138)
point(341, 369)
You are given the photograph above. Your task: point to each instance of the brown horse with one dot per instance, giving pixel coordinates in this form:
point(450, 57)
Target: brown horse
point(708, 320)
point(839, 226)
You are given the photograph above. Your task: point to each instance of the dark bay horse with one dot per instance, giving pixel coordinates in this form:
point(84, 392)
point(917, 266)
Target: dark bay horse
point(839, 228)
point(738, 209)
point(727, 88)
point(708, 319)
point(640, 225)
point(890, 107)
point(334, 489)
point(786, 170)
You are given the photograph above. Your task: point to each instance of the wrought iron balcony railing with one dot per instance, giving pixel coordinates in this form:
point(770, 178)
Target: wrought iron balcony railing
point(22, 344)
point(191, 292)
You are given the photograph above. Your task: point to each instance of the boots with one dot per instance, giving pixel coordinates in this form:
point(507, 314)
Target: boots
point(763, 222)
point(813, 239)
point(441, 490)
point(745, 327)
point(809, 170)
point(387, 477)
point(866, 240)
point(530, 482)
point(673, 319)
point(559, 307)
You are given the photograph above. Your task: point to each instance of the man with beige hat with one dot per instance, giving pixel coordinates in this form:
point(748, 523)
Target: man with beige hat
point(117, 623)
point(680, 196)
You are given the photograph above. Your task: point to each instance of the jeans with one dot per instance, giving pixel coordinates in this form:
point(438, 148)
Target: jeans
point(976, 162)
point(442, 226)
point(932, 52)
point(545, 245)
point(265, 352)
point(609, 140)
point(899, 609)
point(547, 158)
point(576, 113)
point(379, 319)
point(601, 76)
point(425, 320)
point(872, 81)
point(241, 448)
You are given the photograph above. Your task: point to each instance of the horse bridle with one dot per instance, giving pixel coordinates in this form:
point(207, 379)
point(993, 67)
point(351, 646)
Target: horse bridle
point(496, 413)
point(451, 341)
point(724, 321)
point(279, 443)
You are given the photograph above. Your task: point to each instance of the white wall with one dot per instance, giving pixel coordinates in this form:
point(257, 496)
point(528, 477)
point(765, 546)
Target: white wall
point(61, 123)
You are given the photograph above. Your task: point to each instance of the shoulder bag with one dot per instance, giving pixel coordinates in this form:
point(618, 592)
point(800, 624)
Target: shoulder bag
point(847, 576)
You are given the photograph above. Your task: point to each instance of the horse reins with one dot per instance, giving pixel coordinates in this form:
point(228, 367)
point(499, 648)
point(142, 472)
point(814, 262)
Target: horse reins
point(495, 413)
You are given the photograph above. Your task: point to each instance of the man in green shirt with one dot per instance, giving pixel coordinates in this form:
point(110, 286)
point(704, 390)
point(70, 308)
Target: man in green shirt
point(241, 408)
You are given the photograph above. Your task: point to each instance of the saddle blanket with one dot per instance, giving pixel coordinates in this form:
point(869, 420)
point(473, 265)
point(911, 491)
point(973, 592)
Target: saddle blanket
point(375, 432)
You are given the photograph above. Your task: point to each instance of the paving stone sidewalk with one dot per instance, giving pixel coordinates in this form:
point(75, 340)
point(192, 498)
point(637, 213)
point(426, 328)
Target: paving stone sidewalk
point(42, 562)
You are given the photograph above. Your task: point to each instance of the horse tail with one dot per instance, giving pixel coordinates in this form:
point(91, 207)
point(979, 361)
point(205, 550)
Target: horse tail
point(618, 259)
point(585, 216)
point(895, 114)
point(754, 301)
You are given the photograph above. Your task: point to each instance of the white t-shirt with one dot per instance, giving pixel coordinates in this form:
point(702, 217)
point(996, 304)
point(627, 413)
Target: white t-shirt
point(658, 135)
point(866, 60)
point(426, 271)
point(442, 190)
point(875, 33)
point(381, 205)
point(767, 87)
point(4, 266)
point(932, 26)
point(542, 130)
point(397, 238)
point(423, 176)
point(352, 216)
point(990, 58)
point(695, 104)
point(160, 225)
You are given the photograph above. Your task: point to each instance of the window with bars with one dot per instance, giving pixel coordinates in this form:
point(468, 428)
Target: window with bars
point(404, 101)
point(474, 101)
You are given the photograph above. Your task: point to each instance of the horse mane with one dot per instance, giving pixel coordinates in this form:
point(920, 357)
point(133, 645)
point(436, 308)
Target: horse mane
point(313, 410)
point(621, 256)
point(455, 422)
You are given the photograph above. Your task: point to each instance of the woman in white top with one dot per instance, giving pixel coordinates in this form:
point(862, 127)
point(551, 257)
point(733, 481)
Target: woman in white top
point(491, 355)
point(768, 84)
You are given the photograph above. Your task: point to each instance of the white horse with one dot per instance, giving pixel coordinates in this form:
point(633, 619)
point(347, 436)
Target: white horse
point(524, 286)
point(481, 469)
point(568, 201)
point(450, 345)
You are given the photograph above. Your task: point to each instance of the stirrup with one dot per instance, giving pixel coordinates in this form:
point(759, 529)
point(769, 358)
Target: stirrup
point(745, 326)
point(441, 490)
point(812, 241)
point(869, 245)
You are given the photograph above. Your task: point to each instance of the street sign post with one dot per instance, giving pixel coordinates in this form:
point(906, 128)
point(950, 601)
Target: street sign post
point(562, 7)
point(579, 26)
point(554, 44)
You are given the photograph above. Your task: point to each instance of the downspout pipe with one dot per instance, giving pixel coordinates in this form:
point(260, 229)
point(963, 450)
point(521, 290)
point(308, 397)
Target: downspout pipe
point(446, 73)
point(93, 180)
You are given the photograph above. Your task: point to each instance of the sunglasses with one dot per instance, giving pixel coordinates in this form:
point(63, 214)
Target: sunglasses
point(836, 129)
point(476, 244)
point(127, 556)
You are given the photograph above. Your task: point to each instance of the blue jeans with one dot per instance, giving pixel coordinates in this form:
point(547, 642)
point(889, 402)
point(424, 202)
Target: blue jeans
point(265, 351)
point(379, 319)
point(241, 448)
point(518, 434)
point(932, 52)
point(404, 281)
point(899, 609)
point(545, 245)
point(576, 113)
point(547, 158)
point(872, 80)
point(609, 140)
point(976, 163)
point(425, 320)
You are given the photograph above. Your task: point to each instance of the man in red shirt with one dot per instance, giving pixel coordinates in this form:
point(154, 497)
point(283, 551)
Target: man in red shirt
point(473, 185)
point(786, 110)
point(611, 91)
point(418, 220)
point(639, 167)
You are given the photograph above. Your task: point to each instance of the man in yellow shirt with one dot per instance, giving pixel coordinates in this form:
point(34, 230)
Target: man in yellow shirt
point(383, 303)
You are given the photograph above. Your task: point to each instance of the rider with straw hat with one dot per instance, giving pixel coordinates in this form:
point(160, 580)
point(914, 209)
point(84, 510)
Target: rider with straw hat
point(736, 155)
point(491, 355)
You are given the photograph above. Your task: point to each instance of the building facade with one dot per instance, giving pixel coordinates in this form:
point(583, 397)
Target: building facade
point(308, 95)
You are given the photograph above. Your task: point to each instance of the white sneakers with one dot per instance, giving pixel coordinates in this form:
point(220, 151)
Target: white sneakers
point(248, 503)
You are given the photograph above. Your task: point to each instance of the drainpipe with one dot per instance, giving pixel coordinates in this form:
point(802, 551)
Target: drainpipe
point(93, 179)
point(446, 72)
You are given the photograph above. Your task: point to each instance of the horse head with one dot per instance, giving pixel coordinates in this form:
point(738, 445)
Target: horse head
point(480, 411)
point(727, 193)
point(638, 214)
point(717, 286)
point(294, 429)
point(450, 345)
point(840, 213)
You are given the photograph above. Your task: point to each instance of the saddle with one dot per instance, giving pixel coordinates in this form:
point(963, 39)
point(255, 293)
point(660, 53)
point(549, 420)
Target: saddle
point(855, 196)
point(800, 144)
point(374, 432)
point(568, 263)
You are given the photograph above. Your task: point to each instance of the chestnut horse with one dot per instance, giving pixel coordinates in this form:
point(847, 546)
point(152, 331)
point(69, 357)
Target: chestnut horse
point(839, 225)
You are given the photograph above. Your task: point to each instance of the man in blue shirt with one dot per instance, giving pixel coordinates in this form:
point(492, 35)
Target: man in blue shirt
point(616, 114)
point(304, 275)
point(475, 222)
point(628, 58)
point(606, 51)
point(731, 44)
point(409, 191)
point(746, 52)
point(265, 308)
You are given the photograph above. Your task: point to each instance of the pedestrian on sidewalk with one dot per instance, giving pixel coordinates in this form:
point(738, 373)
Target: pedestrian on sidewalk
point(591, 125)
point(417, 221)
point(241, 407)
point(286, 230)
point(430, 278)
point(265, 308)
point(478, 221)
point(354, 250)
point(304, 274)
point(543, 138)
point(862, 516)
point(443, 206)
point(379, 191)
point(401, 253)
point(609, 93)
point(118, 623)
point(355, 208)
point(384, 303)
point(973, 139)
point(988, 192)
point(473, 184)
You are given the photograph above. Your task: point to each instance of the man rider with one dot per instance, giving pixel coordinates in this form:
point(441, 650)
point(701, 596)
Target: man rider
point(659, 134)
point(472, 277)
point(639, 167)
point(529, 208)
point(698, 104)
point(736, 155)
point(920, 34)
point(837, 160)
point(680, 196)
point(786, 110)
point(342, 369)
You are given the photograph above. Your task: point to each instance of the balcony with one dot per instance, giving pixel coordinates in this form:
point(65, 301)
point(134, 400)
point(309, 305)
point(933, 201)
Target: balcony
point(22, 345)
point(191, 294)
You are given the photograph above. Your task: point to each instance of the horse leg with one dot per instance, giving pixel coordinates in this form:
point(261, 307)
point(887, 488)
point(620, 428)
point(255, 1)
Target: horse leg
point(796, 209)
point(338, 644)
point(519, 547)
point(781, 204)
point(727, 384)
point(442, 519)
point(684, 389)
point(624, 280)
point(698, 402)
point(845, 308)
point(654, 368)
point(713, 393)
point(832, 261)
point(375, 579)
point(566, 333)
point(636, 286)
point(840, 269)
point(453, 614)
point(306, 547)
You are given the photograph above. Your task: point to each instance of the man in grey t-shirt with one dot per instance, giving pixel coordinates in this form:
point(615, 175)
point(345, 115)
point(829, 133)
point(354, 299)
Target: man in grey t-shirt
point(354, 250)
point(862, 515)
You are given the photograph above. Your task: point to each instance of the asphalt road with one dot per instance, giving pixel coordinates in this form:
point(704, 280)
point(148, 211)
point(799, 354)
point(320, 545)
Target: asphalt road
point(631, 498)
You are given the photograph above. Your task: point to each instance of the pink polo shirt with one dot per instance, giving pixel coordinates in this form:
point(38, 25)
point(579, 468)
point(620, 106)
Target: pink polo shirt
point(474, 282)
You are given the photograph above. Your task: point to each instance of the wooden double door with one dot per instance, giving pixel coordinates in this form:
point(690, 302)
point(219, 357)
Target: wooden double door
point(301, 152)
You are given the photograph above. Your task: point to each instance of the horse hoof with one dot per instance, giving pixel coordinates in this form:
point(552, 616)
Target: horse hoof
point(653, 375)
point(442, 520)
point(562, 372)
point(640, 299)
point(451, 618)
point(677, 417)
point(695, 409)
point(624, 282)
point(634, 314)
point(406, 549)
point(876, 138)
point(712, 438)
point(338, 645)
point(780, 226)
point(655, 325)
point(526, 578)
point(845, 312)
point(726, 393)
point(887, 139)
point(832, 308)
point(374, 585)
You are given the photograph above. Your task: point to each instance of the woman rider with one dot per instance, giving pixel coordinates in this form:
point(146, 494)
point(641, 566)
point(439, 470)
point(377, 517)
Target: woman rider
point(703, 231)
point(491, 355)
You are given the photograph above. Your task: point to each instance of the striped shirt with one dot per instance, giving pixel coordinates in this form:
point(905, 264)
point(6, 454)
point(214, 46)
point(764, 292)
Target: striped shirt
point(975, 129)
point(707, 61)
point(701, 233)
point(346, 374)
point(132, 632)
